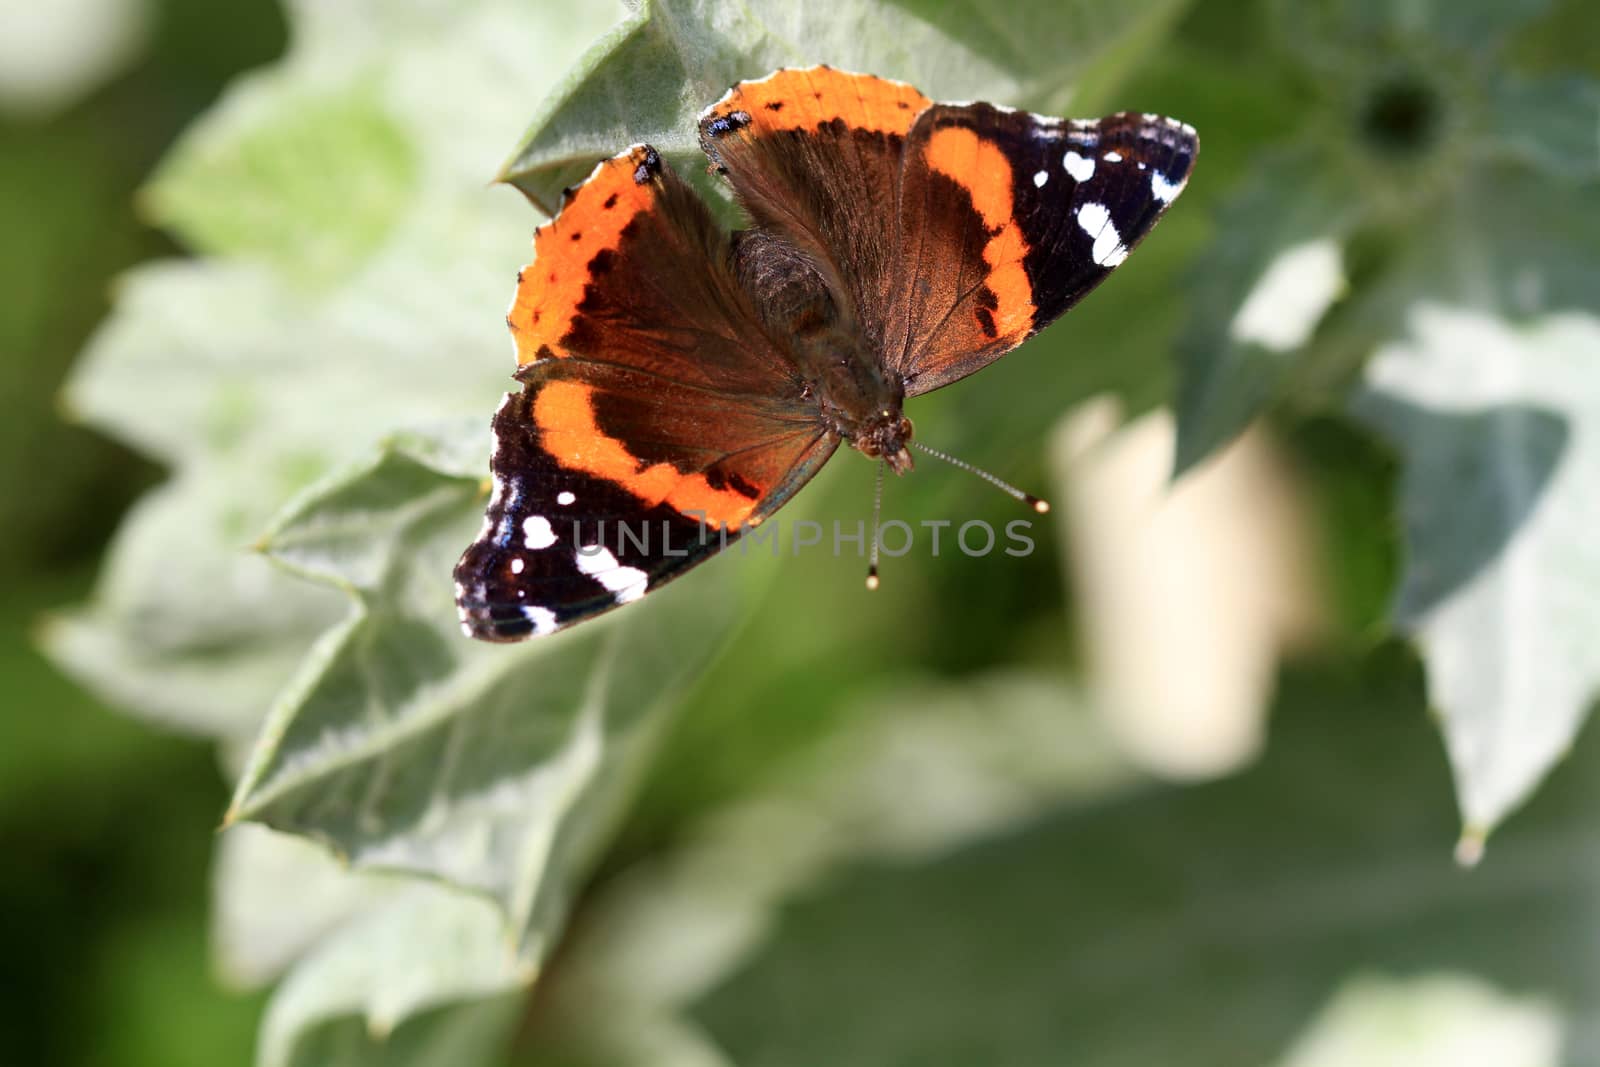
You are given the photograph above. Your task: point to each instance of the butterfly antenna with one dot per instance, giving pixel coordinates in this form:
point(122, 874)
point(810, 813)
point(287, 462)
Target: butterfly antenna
point(877, 510)
point(1041, 506)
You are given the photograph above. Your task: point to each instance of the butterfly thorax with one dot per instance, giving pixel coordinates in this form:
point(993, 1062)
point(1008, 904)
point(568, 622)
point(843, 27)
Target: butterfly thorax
point(856, 399)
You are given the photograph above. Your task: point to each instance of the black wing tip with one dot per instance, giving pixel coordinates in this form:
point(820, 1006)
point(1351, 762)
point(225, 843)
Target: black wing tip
point(1173, 134)
point(486, 613)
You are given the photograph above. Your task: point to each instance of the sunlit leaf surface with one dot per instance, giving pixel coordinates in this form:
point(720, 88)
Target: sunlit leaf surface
point(1499, 433)
point(407, 746)
point(650, 79)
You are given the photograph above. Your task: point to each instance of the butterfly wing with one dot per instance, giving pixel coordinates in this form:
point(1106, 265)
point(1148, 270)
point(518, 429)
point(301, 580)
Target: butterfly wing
point(579, 522)
point(952, 232)
point(815, 155)
point(1008, 219)
point(634, 270)
point(657, 419)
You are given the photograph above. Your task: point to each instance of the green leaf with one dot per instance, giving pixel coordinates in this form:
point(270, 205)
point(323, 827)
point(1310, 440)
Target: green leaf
point(407, 746)
point(195, 370)
point(1246, 921)
point(472, 1033)
point(910, 773)
point(1411, 122)
point(254, 938)
point(1503, 267)
point(652, 76)
point(385, 970)
point(1553, 124)
point(1471, 252)
point(1207, 925)
point(1256, 298)
point(1499, 432)
point(203, 652)
point(312, 186)
point(251, 384)
point(424, 978)
point(1435, 1019)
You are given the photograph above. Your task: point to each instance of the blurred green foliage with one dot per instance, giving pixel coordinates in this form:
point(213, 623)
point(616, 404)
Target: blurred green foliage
point(762, 818)
point(107, 827)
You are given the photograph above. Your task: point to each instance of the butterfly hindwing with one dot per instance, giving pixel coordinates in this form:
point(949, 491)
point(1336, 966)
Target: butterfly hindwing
point(657, 419)
point(634, 270)
point(575, 525)
point(525, 574)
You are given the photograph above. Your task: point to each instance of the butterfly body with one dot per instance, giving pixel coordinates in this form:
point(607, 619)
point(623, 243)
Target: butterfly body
point(858, 400)
point(681, 383)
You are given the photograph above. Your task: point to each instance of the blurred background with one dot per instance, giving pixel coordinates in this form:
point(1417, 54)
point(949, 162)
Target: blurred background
point(1199, 777)
point(107, 825)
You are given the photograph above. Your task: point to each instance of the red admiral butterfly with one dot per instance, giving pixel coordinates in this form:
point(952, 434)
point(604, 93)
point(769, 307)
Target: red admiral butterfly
point(680, 384)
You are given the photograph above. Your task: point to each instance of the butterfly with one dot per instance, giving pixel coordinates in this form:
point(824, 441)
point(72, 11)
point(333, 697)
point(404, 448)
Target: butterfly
point(681, 383)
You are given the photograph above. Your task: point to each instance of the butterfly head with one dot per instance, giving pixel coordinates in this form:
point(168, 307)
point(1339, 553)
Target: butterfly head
point(885, 436)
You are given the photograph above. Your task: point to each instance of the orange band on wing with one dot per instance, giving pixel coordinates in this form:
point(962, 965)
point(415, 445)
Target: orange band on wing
point(564, 413)
point(550, 289)
point(981, 168)
point(804, 99)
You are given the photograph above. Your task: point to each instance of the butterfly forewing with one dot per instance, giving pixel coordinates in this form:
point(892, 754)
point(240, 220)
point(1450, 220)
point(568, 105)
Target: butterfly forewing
point(1010, 218)
point(815, 155)
point(577, 525)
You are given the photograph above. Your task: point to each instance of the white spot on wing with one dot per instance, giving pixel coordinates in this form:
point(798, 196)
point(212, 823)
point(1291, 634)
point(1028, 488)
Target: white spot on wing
point(624, 583)
point(517, 565)
point(1080, 167)
point(1112, 157)
point(1164, 190)
point(564, 498)
point(543, 619)
point(1096, 222)
point(537, 533)
point(1039, 178)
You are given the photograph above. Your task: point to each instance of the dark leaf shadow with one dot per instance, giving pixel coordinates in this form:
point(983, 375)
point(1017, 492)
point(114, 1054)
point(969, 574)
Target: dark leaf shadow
point(1469, 483)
